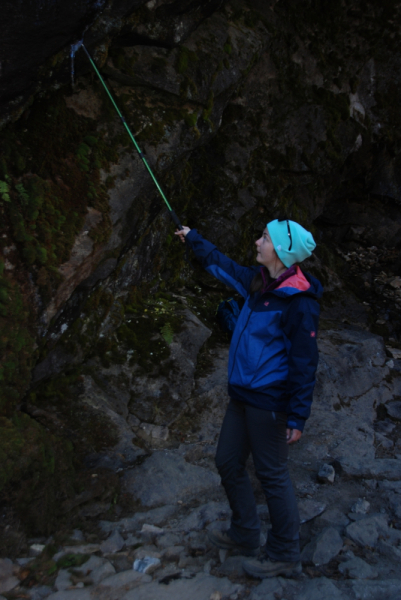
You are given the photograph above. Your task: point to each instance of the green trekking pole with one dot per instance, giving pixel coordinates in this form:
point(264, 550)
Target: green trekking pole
point(174, 217)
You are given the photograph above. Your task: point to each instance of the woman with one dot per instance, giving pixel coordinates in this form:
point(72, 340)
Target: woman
point(271, 376)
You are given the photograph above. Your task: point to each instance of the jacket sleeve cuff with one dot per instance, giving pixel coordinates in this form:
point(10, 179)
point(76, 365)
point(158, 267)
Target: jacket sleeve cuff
point(295, 423)
point(191, 235)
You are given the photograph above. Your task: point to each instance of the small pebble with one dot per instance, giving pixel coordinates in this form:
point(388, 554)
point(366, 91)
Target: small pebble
point(36, 549)
point(151, 529)
point(326, 474)
point(77, 536)
point(360, 507)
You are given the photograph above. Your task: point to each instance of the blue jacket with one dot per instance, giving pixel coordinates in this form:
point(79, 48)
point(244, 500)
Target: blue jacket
point(273, 353)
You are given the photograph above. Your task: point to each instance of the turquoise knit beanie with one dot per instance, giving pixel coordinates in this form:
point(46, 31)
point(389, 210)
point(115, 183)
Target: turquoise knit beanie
point(291, 241)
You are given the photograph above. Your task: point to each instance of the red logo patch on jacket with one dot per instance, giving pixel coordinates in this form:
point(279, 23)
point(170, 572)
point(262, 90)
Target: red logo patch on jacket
point(313, 333)
point(266, 304)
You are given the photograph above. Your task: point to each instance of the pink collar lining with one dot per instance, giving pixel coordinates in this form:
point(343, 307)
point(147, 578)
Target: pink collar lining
point(292, 277)
point(297, 281)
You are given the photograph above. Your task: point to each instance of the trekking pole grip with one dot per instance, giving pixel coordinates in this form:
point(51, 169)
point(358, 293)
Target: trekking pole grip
point(176, 220)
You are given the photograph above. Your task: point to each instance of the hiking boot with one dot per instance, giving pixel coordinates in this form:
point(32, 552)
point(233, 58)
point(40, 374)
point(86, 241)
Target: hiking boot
point(265, 567)
point(221, 539)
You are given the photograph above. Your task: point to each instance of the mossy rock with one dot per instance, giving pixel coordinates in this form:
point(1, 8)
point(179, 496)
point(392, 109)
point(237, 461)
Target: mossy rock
point(16, 343)
point(36, 471)
point(91, 430)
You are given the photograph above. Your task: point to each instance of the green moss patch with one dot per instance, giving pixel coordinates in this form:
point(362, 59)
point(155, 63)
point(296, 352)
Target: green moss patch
point(184, 58)
point(35, 471)
point(58, 174)
point(16, 342)
point(50, 164)
point(148, 329)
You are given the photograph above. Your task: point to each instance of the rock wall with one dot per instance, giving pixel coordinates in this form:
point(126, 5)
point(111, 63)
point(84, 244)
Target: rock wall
point(245, 111)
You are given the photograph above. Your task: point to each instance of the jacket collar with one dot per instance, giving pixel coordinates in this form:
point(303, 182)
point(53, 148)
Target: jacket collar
point(270, 284)
point(296, 280)
point(290, 283)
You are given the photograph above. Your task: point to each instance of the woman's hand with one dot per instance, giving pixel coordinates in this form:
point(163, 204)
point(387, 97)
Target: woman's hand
point(182, 232)
point(293, 435)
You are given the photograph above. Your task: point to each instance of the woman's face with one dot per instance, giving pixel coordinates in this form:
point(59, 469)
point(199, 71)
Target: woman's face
point(265, 253)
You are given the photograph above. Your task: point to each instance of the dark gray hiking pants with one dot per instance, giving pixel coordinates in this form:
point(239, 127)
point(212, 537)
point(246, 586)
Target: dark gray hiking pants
point(246, 430)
